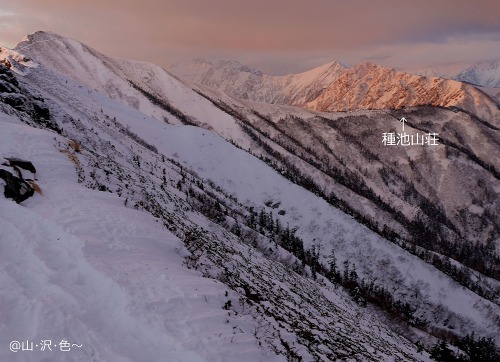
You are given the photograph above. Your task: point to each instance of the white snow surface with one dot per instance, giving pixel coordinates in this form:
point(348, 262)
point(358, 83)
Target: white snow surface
point(484, 74)
point(77, 265)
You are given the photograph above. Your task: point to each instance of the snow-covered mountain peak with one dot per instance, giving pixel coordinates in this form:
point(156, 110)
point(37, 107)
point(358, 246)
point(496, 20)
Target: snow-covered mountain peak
point(66, 56)
point(486, 74)
point(327, 71)
point(40, 36)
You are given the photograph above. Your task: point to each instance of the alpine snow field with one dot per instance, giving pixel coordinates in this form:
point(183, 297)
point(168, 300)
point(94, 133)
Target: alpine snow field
point(222, 214)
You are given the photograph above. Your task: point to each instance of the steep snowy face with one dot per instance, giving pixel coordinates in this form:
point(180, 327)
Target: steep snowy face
point(15, 61)
point(76, 61)
point(243, 82)
point(304, 87)
point(482, 74)
point(369, 86)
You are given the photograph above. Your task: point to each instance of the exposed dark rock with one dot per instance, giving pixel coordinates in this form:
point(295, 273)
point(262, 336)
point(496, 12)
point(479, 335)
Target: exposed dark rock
point(7, 75)
point(15, 187)
point(6, 87)
point(41, 112)
point(15, 101)
point(25, 165)
point(13, 94)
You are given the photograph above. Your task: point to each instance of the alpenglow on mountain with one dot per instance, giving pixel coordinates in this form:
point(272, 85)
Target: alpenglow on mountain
point(173, 221)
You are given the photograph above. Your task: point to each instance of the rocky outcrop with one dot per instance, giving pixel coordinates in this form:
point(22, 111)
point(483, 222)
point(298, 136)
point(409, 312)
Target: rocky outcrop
point(15, 187)
point(17, 162)
point(15, 99)
point(15, 61)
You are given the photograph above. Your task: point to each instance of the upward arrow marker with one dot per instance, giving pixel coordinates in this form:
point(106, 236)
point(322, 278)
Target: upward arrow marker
point(403, 120)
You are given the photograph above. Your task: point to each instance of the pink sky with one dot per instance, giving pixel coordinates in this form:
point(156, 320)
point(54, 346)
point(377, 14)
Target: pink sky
point(276, 36)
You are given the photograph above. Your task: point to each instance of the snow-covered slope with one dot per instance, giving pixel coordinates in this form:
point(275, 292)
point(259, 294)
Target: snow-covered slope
point(492, 92)
point(78, 264)
point(246, 83)
point(342, 154)
point(129, 150)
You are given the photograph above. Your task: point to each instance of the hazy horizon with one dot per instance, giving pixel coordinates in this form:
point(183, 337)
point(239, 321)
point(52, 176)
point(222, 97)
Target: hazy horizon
point(277, 37)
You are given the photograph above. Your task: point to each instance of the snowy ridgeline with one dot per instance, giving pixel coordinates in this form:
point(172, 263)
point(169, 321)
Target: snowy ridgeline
point(117, 280)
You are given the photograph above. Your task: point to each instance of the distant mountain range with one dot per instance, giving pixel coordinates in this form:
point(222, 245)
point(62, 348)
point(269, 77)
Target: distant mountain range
point(485, 75)
point(336, 87)
point(482, 74)
point(248, 83)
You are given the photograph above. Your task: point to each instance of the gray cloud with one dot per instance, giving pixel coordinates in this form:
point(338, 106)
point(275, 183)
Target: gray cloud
point(278, 36)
